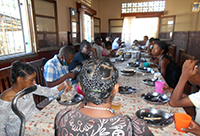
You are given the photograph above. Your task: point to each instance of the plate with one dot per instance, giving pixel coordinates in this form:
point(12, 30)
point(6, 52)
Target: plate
point(144, 69)
point(153, 98)
point(130, 72)
point(154, 117)
point(127, 90)
point(77, 98)
point(133, 64)
point(149, 82)
point(143, 60)
point(120, 60)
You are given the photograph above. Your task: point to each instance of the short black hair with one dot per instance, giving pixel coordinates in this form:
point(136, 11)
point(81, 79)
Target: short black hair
point(107, 44)
point(97, 78)
point(66, 50)
point(84, 42)
point(20, 69)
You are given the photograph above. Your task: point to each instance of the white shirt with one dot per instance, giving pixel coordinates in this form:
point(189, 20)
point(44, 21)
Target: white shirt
point(10, 122)
point(195, 99)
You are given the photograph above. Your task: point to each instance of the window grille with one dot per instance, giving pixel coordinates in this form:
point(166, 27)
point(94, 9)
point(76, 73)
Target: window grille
point(151, 6)
point(13, 39)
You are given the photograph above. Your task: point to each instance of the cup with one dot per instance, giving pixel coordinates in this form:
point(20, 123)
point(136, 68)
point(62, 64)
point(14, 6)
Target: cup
point(182, 120)
point(116, 103)
point(146, 64)
point(159, 85)
point(157, 75)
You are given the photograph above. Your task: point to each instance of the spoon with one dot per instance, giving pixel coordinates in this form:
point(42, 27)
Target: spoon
point(159, 95)
point(165, 120)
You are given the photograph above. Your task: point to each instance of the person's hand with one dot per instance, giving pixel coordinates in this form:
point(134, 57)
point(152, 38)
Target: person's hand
point(189, 69)
point(194, 128)
point(67, 87)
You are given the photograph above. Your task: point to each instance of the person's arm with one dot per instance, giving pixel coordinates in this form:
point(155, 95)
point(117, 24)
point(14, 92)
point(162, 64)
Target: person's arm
point(60, 80)
point(189, 69)
point(194, 128)
point(163, 66)
point(46, 91)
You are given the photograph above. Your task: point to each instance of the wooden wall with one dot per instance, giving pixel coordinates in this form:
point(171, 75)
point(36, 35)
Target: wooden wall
point(46, 54)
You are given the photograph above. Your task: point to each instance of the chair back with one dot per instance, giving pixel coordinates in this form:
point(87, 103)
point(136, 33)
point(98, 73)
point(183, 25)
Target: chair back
point(172, 51)
point(5, 80)
point(39, 66)
point(183, 56)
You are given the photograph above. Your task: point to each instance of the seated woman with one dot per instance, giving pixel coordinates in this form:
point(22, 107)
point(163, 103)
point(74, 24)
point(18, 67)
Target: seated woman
point(22, 76)
point(166, 66)
point(98, 80)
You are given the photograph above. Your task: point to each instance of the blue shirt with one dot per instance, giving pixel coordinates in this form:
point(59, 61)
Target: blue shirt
point(53, 70)
point(77, 60)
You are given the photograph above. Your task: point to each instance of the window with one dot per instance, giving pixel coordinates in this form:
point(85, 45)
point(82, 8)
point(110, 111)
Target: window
point(115, 25)
point(46, 27)
point(97, 27)
point(74, 36)
point(15, 36)
point(166, 27)
point(88, 27)
point(151, 6)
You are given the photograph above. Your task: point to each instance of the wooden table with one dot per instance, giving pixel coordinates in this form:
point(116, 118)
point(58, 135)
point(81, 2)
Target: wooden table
point(43, 123)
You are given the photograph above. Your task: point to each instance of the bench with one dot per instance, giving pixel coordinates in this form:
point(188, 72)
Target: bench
point(5, 79)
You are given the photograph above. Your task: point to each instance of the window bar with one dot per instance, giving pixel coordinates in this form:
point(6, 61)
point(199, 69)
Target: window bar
point(10, 51)
point(6, 51)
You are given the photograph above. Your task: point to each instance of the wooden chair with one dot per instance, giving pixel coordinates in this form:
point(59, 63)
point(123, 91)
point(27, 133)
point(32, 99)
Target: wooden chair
point(39, 66)
point(5, 80)
point(183, 56)
point(172, 51)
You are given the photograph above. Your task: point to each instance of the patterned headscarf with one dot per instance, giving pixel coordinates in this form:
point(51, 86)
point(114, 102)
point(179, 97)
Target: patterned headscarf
point(97, 78)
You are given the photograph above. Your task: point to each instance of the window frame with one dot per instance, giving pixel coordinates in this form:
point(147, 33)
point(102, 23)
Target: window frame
point(70, 33)
point(46, 48)
point(21, 55)
point(97, 26)
point(116, 19)
point(163, 25)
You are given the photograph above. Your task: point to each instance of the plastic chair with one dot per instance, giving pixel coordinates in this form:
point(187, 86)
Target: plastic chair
point(15, 109)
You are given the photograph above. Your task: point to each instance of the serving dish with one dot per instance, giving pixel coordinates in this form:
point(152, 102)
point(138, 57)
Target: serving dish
point(127, 72)
point(144, 69)
point(127, 90)
point(154, 117)
point(77, 98)
point(133, 64)
point(155, 98)
point(150, 82)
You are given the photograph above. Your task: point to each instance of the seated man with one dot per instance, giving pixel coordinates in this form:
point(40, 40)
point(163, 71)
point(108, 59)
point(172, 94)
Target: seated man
point(191, 72)
point(83, 54)
point(56, 69)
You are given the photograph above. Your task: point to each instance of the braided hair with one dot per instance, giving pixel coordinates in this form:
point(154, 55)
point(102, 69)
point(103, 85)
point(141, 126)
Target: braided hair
point(20, 69)
point(97, 78)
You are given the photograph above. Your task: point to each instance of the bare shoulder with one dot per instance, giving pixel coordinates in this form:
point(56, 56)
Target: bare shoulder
point(7, 95)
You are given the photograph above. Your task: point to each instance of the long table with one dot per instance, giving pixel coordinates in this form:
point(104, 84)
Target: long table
point(43, 123)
